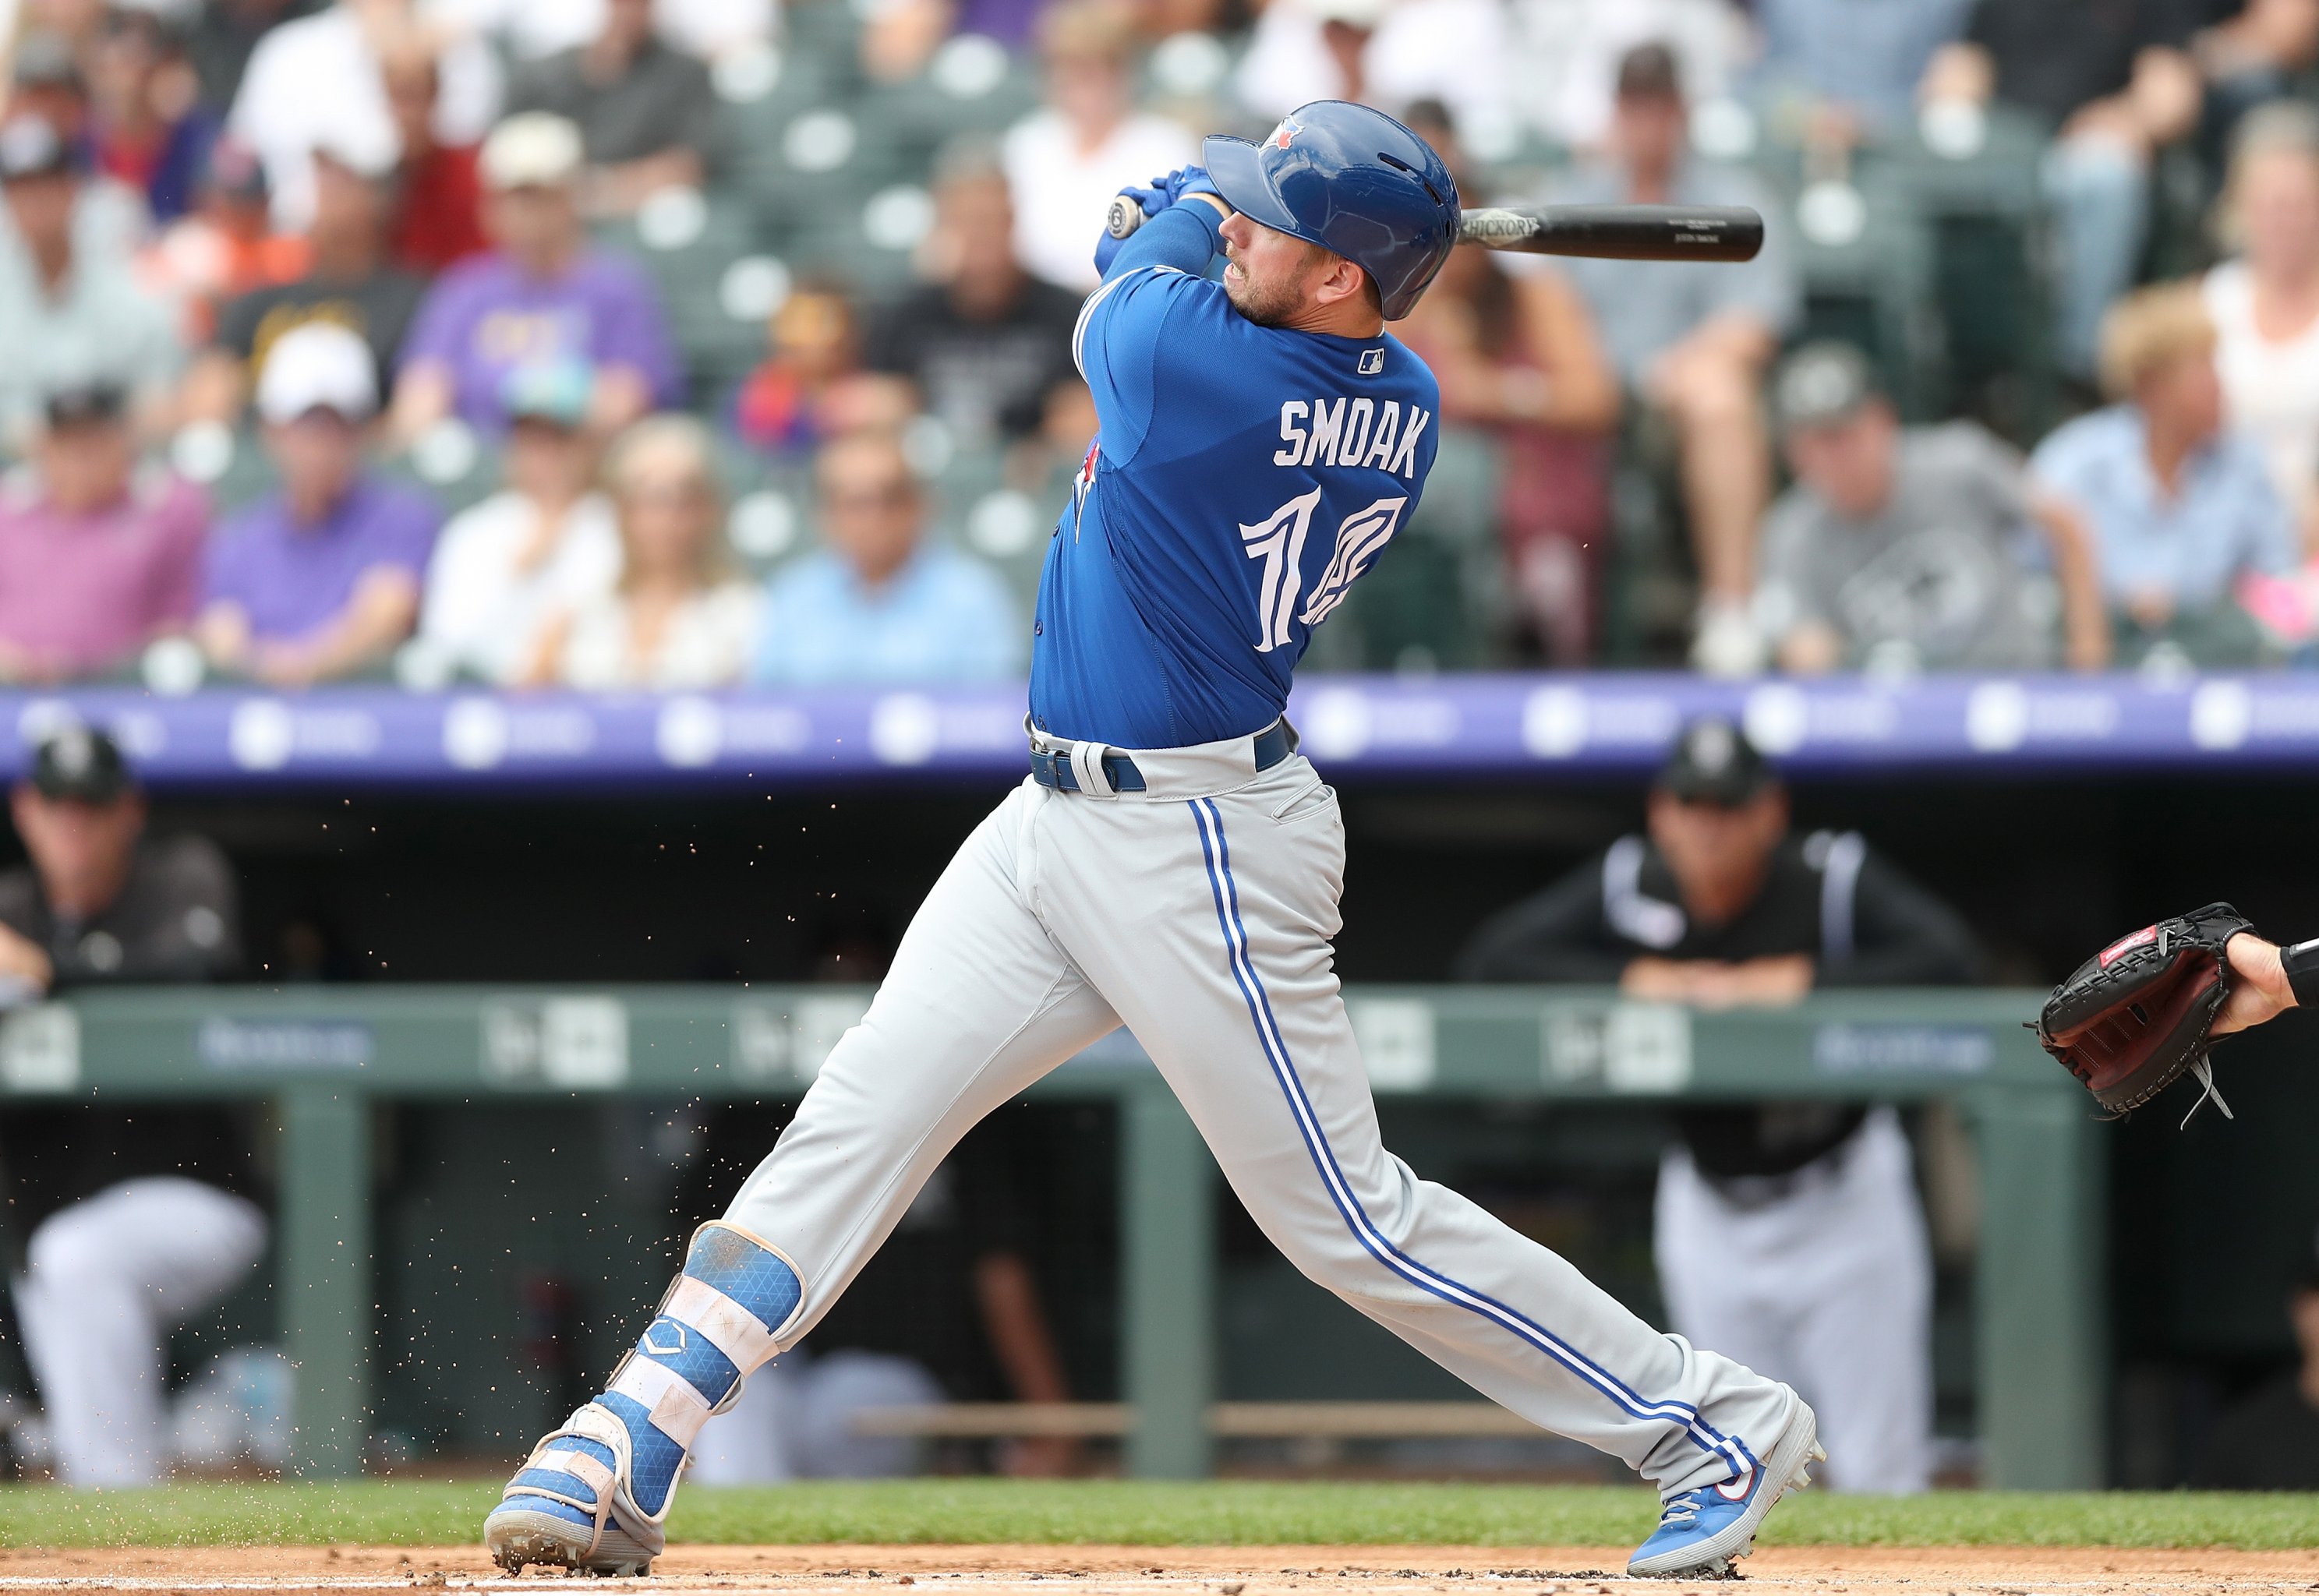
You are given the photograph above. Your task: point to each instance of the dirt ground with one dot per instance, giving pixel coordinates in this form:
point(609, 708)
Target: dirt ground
point(1177, 1571)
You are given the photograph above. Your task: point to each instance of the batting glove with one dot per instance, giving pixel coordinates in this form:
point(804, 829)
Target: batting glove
point(1182, 181)
point(1164, 190)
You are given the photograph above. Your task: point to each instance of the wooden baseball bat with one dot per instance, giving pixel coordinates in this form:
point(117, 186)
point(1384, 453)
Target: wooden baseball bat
point(1620, 232)
point(1608, 232)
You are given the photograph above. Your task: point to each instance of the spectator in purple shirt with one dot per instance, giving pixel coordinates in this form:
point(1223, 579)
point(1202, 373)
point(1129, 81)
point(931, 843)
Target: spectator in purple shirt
point(319, 580)
point(540, 297)
point(96, 557)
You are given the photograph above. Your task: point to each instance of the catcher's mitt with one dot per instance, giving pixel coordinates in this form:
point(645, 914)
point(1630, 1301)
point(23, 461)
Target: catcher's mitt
point(2134, 1017)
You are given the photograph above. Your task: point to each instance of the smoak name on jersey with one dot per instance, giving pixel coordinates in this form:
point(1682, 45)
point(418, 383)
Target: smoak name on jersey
point(1242, 479)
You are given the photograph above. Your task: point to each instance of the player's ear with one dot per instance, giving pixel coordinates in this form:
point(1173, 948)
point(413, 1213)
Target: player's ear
point(1341, 280)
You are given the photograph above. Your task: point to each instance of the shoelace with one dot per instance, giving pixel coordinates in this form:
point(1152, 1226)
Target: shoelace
point(1683, 1510)
point(2204, 1069)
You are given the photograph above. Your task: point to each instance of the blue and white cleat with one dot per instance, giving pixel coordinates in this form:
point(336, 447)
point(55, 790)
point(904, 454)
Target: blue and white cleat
point(572, 1503)
point(593, 1496)
point(1703, 1533)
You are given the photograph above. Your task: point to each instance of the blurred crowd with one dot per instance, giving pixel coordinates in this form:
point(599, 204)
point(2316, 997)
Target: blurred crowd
point(683, 343)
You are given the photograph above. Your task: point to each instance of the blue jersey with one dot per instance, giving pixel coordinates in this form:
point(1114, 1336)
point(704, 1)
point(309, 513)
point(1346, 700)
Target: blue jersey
point(1242, 479)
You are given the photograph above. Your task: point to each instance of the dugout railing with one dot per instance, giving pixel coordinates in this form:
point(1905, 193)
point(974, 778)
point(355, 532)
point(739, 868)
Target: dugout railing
point(325, 1057)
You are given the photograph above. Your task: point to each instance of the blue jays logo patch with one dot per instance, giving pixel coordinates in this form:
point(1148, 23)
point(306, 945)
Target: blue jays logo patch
point(1083, 484)
point(1289, 129)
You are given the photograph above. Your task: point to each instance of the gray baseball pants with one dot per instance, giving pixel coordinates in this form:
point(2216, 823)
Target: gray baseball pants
point(1198, 914)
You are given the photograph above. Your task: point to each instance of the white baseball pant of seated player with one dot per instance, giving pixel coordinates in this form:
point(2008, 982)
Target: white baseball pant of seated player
point(105, 1280)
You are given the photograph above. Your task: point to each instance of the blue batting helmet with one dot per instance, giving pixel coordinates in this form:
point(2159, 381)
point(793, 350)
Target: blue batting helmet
point(1349, 179)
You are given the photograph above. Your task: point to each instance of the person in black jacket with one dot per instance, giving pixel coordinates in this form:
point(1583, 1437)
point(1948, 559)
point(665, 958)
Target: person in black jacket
point(1789, 1234)
point(136, 1218)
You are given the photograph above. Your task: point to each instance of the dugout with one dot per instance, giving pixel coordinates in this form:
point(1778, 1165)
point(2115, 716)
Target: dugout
point(653, 874)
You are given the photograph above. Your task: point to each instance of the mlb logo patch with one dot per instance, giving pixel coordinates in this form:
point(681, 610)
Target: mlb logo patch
point(1372, 362)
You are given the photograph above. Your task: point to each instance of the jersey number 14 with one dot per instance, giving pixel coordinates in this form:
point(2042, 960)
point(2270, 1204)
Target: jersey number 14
point(1278, 540)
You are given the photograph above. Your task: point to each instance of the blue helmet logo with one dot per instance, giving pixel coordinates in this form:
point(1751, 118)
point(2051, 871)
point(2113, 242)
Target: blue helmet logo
point(1350, 179)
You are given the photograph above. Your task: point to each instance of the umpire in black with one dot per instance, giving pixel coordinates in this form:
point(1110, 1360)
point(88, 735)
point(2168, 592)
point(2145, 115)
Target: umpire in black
point(1789, 1235)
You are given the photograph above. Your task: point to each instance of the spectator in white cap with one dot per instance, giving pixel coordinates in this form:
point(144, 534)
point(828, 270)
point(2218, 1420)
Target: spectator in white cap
point(542, 295)
point(69, 315)
point(348, 280)
point(319, 579)
point(317, 80)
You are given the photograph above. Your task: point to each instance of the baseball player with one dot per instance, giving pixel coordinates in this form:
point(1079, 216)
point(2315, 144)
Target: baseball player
point(1173, 865)
point(1787, 1233)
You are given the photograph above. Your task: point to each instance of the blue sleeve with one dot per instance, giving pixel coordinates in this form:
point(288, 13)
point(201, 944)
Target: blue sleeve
point(2275, 548)
point(2052, 465)
point(774, 664)
point(1116, 342)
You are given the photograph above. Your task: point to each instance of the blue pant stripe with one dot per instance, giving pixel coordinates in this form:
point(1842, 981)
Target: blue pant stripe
point(656, 1454)
point(1217, 854)
point(677, 1346)
point(752, 1276)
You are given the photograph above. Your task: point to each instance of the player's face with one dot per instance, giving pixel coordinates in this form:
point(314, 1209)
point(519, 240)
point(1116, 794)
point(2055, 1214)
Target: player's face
point(81, 850)
point(1266, 272)
point(1717, 851)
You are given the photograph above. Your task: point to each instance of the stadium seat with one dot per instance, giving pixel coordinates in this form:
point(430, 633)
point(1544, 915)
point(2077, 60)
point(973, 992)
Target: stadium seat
point(690, 243)
point(232, 466)
point(1986, 212)
point(453, 465)
point(1011, 527)
point(1864, 251)
point(828, 32)
point(971, 86)
point(1649, 577)
point(826, 161)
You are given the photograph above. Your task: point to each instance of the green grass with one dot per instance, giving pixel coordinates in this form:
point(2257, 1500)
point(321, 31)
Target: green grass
point(1234, 1512)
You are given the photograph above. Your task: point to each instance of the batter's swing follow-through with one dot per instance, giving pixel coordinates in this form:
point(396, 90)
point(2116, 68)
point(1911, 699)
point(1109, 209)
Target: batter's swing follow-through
point(1172, 865)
